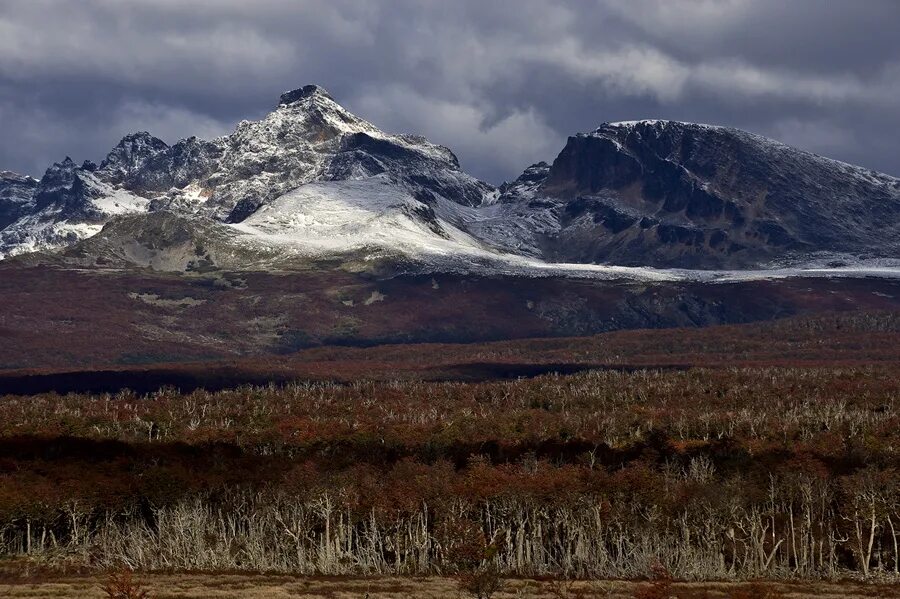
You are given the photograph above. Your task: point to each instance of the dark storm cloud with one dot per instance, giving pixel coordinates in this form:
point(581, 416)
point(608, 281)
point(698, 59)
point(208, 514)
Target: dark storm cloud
point(501, 83)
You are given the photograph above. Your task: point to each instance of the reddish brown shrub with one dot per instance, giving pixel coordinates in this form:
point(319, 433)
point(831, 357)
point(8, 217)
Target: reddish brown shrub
point(121, 585)
point(660, 586)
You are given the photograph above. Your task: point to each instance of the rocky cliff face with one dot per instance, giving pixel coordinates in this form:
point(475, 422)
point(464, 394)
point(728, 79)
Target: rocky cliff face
point(675, 194)
point(16, 192)
point(69, 203)
point(309, 137)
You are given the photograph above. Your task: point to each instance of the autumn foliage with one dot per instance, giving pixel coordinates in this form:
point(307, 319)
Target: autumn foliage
point(697, 473)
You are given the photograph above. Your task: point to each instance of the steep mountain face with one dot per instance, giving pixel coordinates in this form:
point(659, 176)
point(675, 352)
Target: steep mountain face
point(524, 219)
point(16, 192)
point(310, 137)
point(675, 194)
point(312, 182)
point(133, 157)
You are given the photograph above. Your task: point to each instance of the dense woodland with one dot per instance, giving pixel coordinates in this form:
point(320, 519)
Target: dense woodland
point(716, 473)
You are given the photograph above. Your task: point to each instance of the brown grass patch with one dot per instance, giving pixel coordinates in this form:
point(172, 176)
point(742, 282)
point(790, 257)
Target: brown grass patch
point(222, 586)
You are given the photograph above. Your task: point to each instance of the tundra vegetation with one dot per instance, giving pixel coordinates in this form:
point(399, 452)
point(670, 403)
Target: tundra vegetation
point(728, 473)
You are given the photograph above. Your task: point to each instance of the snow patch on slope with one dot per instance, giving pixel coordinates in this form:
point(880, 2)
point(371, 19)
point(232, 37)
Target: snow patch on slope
point(119, 201)
point(333, 217)
point(42, 236)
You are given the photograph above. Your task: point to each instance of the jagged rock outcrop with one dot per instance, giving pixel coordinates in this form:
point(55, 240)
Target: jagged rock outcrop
point(130, 158)
point(69, 203)
point(16, 193)
point(66, 190)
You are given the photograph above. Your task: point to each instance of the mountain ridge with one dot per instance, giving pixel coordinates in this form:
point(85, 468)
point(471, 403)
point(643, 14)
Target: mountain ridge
point(664, 194)
point(683, 194)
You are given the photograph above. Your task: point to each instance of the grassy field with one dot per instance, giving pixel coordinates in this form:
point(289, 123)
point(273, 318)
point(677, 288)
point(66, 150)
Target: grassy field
point(214, 586)
point(53, 318)
point(833, 339)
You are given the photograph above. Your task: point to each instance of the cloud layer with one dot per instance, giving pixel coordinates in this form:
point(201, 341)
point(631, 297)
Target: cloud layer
point(501, 83)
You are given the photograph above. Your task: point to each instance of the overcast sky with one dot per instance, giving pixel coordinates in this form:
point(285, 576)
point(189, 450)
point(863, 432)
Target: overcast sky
point(502, 83)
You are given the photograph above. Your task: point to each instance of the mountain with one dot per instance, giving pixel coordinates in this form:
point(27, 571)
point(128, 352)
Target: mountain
point(69, 203)
point(312, 183)
point(673, 194)
point(308, 139)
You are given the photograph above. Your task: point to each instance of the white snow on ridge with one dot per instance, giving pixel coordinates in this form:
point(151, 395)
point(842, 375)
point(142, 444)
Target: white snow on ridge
point(377, 217)
point(654, 122)
point(633, 123)
point(47, 235)
point(733, 276)
point(515, 265)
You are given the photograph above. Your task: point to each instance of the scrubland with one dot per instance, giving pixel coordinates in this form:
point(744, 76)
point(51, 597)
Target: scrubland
point(723, 474)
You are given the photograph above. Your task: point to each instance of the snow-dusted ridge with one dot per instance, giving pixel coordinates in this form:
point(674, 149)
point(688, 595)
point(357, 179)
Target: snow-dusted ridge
point(655, 122)
point(334, 219)
point(307, 138)
point(311, 181)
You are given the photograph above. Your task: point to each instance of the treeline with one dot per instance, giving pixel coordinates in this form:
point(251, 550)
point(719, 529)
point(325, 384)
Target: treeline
point(711, 474)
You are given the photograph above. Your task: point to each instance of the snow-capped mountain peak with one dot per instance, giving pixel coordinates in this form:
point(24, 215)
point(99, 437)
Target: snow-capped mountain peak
point(308, 137)
point(309, 113)
point(131, 155)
